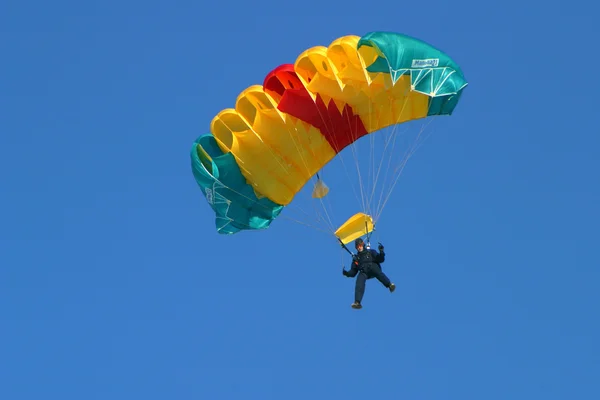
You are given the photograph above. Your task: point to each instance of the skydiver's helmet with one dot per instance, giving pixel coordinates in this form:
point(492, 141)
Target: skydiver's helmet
point(358, 242)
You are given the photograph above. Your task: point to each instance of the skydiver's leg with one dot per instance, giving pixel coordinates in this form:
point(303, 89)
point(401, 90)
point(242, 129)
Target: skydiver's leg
point(382, 277)
point(359, 289)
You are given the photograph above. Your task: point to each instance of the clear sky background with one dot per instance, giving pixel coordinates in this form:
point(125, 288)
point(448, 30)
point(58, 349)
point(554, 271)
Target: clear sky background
point(115, 285)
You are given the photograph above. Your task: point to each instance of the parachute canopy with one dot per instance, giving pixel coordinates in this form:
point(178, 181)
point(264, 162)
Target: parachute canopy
point(261, 153)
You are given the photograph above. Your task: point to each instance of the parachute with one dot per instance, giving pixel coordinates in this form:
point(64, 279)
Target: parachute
point(260, 154)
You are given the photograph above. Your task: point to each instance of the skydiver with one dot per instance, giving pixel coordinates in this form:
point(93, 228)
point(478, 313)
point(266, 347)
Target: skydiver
point(366, 263)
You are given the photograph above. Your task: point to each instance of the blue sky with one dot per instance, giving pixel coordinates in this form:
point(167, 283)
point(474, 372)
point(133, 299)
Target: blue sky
point(115, 285)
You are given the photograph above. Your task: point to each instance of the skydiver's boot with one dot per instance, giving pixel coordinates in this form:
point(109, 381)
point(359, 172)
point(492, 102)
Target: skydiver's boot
point(356, 305)
point(392, 287)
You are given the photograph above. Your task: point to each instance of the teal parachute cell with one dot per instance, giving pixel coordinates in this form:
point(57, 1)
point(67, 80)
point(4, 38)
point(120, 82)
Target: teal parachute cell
point(234, 202)
point(432, 72)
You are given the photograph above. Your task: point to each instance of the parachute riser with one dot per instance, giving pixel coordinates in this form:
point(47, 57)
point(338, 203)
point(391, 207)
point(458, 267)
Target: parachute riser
point(345, 247)
point(368, 244)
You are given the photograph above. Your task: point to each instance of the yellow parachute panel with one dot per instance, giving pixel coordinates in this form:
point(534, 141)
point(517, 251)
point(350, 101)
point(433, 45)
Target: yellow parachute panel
point(356, 226)
point(276, 152)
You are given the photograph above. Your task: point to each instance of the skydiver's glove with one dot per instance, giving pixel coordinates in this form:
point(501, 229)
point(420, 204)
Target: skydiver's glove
point(355, 259)
point(380, 247)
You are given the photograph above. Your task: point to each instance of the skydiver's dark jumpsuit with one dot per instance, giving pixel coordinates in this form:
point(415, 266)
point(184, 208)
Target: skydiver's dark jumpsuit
point(366, 265)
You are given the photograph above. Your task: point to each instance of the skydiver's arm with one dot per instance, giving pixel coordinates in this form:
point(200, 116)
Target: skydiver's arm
point(378, 257)
point(353, 269)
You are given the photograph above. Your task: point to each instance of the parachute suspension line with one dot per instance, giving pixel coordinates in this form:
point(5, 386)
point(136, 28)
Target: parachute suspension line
point(368, 234)
point(355, 155)
point(401, 165)
point(371, 158)
point(398, 174)
point(398, 171)
point(330, 226)
point(355, 152)
point(367, 206)
point(367, 199)
point(386, 140)
point(372, 179)
point(328, 201)
point(391, 170)
point(392, 138)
